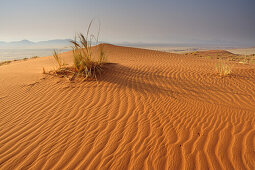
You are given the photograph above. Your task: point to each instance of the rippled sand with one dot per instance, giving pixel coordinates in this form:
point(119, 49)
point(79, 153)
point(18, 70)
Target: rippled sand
point(150, 110)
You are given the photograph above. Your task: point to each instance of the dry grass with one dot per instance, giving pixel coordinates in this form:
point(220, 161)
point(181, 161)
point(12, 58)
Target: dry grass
point(44, 72)
point(58, 59)
point(247, 59)
point(8, 62)
point(5, 62)
point(88, 60)
point(223, 69)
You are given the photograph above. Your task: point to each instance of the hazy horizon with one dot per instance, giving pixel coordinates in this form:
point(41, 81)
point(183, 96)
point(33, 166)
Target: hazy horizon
point(131, 21)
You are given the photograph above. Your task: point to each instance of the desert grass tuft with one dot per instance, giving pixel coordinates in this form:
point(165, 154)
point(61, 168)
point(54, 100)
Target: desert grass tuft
point(44, 72)
point(223, 69)
point(88, 60)
point(58, 59)
point(88, 56)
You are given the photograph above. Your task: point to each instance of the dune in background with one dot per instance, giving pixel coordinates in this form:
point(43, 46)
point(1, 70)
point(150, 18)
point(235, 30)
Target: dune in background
point(243, 51)
point(151, 110)
point(188, 49)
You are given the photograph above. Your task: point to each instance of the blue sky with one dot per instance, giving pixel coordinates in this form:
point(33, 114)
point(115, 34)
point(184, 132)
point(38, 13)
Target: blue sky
point(148, 21)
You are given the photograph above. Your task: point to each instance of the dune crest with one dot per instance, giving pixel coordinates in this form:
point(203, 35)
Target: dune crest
point(151, 110)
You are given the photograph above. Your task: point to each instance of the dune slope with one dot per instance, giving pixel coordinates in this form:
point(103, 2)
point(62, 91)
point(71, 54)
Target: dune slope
point(150, 110)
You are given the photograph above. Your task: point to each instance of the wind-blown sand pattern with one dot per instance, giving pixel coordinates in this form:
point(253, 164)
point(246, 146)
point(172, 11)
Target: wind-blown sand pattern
point(150, 110)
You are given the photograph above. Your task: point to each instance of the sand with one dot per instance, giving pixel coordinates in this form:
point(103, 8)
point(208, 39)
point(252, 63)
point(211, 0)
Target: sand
point(150, 110)
point(243, 51)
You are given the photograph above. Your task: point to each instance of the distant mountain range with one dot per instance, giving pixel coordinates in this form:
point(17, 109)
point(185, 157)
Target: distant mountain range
point(26, 44)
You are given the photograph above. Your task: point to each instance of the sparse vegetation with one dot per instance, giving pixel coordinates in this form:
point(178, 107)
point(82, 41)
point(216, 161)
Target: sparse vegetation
point(245, 60)
point(58, 59)
point(223, 69)
point(8, 62)
point(209, 57)
point(252, 60)
point(88, 60)
point(5, 62)
point(44, 72)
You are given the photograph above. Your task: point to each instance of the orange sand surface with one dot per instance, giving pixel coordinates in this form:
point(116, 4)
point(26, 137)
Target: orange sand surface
point(149, 110)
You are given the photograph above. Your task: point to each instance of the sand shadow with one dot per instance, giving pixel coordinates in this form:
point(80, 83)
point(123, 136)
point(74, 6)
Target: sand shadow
point(136, 79)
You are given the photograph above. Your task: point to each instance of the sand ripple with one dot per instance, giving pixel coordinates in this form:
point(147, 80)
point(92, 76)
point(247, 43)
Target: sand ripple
point(151, 110)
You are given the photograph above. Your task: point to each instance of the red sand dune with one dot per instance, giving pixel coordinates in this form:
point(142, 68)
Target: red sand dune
point(150, 110)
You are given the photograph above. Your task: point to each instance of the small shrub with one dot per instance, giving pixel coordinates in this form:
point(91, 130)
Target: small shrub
point(223, 69)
